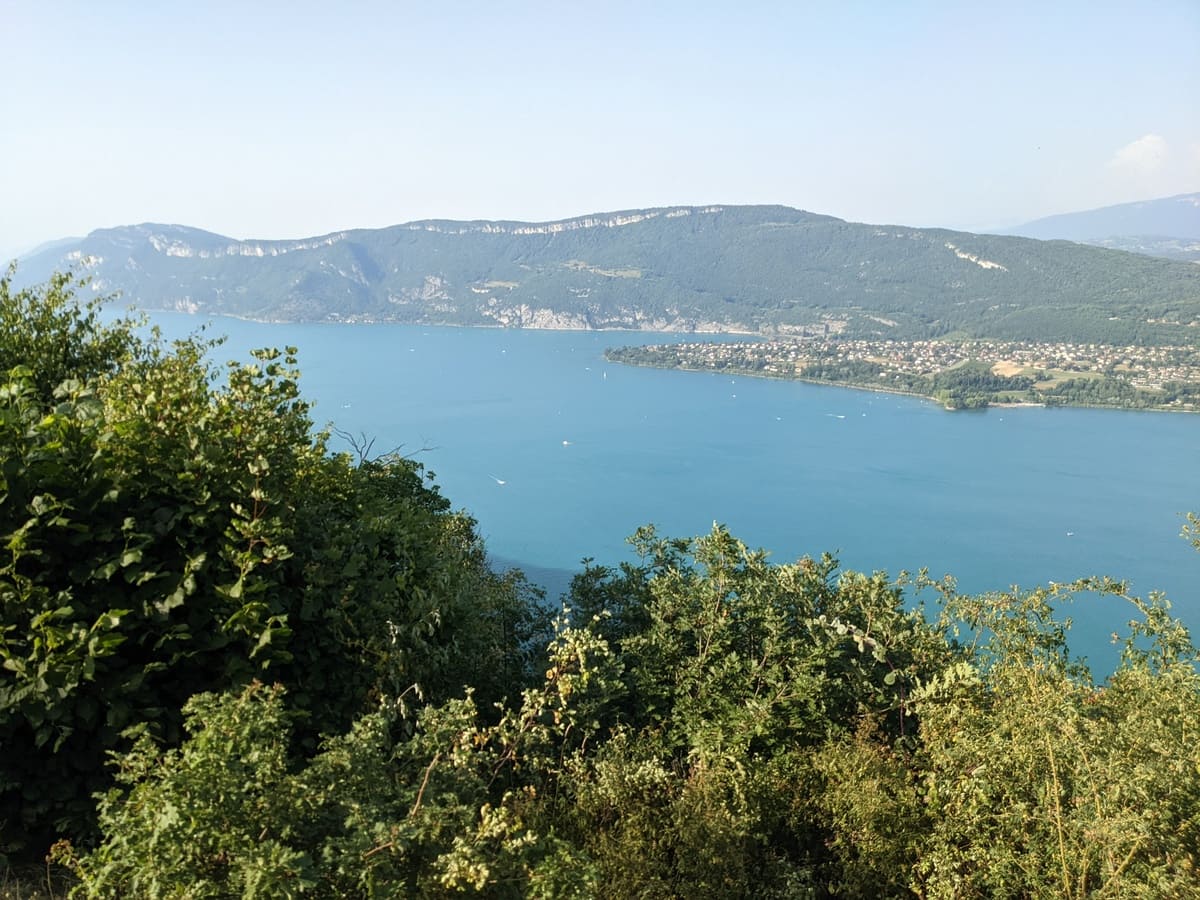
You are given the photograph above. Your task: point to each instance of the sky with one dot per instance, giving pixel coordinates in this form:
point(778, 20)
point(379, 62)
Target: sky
point(290, 119)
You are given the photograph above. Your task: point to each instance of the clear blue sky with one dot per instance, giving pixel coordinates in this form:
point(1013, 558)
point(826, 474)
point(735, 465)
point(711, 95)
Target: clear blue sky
point(265, 119)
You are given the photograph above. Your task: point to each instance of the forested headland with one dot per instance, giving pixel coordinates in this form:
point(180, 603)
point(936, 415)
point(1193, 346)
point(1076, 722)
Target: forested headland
point(236, 663)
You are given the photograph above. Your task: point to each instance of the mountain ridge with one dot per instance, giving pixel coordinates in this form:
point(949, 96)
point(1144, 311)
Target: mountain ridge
point(1175, 216)
point(1166, 226)
point(769, 269)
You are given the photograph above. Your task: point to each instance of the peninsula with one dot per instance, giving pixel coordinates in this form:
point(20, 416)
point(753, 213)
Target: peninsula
point(957, 374)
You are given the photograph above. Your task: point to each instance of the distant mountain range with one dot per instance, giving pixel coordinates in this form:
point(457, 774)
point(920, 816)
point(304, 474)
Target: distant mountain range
point(764, 269)
point(1169, 227)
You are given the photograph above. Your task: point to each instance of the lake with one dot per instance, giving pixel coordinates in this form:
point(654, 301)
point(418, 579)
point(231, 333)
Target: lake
point(560, 455)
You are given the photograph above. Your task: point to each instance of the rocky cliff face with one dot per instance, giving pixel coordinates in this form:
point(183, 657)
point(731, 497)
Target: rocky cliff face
point(613, 220)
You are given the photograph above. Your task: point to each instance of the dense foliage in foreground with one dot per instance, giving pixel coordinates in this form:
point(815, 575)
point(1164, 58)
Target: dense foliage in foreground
point(191, 582)
point(168, 532)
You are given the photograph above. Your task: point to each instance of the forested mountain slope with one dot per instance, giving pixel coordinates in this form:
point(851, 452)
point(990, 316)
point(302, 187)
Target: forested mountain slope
point(727, 268)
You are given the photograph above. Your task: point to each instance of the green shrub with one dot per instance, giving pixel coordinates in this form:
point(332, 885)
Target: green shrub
point(1037, 781)
point(168, 531)
point(45, 329)
point(455, 807)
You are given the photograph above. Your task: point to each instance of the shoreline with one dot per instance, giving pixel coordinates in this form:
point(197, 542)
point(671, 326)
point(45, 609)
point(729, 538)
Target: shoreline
point(490, 326)
point(820, 382)
point(879, 389)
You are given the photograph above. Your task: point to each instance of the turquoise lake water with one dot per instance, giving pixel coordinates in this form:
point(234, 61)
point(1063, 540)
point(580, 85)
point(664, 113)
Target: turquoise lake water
point(587, 451)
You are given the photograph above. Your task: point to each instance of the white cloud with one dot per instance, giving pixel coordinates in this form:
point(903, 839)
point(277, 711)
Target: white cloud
point(1143, 156)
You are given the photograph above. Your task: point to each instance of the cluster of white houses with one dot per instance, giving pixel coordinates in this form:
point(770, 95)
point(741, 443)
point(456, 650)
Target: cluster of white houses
point(1145, 367)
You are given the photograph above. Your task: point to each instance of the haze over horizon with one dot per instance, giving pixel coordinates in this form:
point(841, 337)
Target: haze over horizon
point(291, 120)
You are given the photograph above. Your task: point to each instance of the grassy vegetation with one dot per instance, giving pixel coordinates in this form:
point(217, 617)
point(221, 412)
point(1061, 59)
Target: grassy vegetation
point(49, 882)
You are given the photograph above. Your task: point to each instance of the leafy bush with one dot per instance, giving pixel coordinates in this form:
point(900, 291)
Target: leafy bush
point(453, 808)
point(58, 339)
point(168, 531)
point(1016, 775)
point(1040, 782)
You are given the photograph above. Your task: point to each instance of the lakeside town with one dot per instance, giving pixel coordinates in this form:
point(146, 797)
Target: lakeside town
point(959, 374)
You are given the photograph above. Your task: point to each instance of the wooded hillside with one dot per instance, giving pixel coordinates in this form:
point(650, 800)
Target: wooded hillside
point(726, 268)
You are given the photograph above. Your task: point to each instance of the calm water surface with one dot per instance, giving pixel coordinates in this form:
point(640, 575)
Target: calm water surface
point(587, 451)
